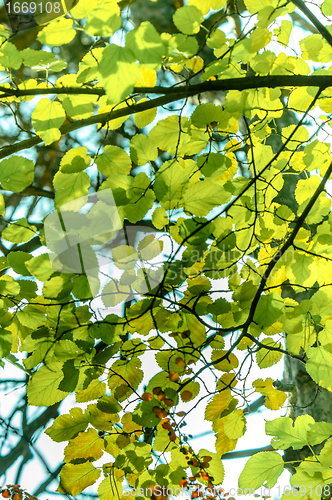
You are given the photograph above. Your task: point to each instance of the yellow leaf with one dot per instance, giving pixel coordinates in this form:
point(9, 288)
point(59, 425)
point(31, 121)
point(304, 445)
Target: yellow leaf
point(274, 399)
point(224, 444)
point(144, 118)
point(105, 107)
point(129, 426)
point(86, 445)
point(94, 390)
point(219, 403)
point(74, 478)
point(195, 63)
point(110, 488)
point(234, 425)
point(100, 420)
point(259, 38)
point(266, 357)
point(226, 364)
point(205, 5)
point(148, 77)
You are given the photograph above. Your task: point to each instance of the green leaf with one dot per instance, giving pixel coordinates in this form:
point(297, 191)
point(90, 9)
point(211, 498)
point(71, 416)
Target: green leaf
point(326, 7)
point(10, 57)
point(146, 43)
point(47, 118)
point(81, 288)
point(319, 365)
point(188, 19)
point(16, 173)
point(110, 488)
point(270, 307)
point(118, 72)
point(215, 468)
point(66, 427)
point(108, 404)
point(205, 114)
point(203, 196)
point(124, 377)
point(263, 468)
point(288, 434)
point(135, 458)
point(160, 218)
point(40, 267)
point(94, 390)
point(8, 286)
point(32, 316)
point(114, 293)
point(6, 341)
point(70, 187)
point(19, 232)
point(59, 286)
point(70, 373)
point(266, 357)
point(61, 29)
point(17, 261)
point(318, 432)
point(113, 161)
point(104, 20)
point(43, 386)
point(75, 160)
point(142, 149)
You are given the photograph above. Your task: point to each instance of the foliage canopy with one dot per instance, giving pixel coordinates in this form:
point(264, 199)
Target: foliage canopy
point(213, 218)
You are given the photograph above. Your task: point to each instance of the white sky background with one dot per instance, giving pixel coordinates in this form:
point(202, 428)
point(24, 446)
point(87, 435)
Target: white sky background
point(255, 437)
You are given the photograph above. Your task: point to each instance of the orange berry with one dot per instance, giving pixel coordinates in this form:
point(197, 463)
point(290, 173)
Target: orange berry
point(161, 396)
point(156, 410)
point(169, 402)
point(174, 376)
point(172, 436)
point(146, 396)
point(6, 493)
point(162, 414)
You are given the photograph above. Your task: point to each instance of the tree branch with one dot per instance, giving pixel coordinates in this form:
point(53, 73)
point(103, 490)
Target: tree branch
point(246, 453)
point(171, 95)
point(183, 91)
point(42, 487)
point(318, 25)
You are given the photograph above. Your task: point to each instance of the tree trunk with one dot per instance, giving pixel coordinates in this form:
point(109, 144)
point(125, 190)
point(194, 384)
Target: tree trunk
point(311, 400)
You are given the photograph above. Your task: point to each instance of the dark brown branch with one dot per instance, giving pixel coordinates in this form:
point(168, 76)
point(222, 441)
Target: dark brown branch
point(174, 94)
point(35, 191)
point(183, 91)
point(246, 453)
point(318, 25)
